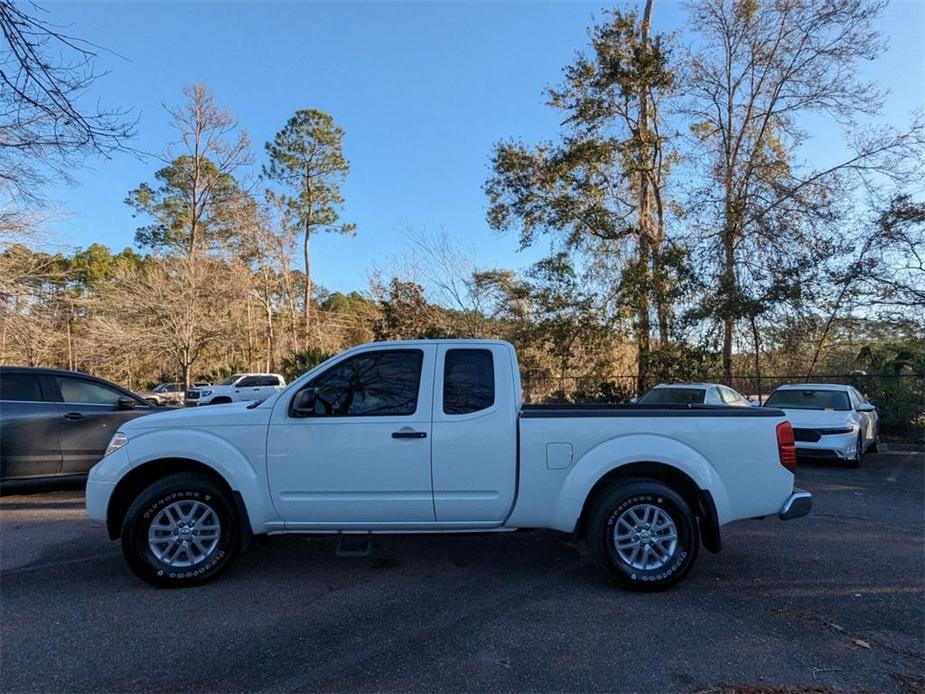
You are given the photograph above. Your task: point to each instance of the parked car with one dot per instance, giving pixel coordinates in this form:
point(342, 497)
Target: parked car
point(830, 422)
point(432, 436)
point(692, 394)
point(56, 423)
point(236, 388)
point(168, 393)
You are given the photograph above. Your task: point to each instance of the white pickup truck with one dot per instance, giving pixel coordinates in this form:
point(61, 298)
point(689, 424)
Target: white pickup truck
point(431, 436)
point(236, 388)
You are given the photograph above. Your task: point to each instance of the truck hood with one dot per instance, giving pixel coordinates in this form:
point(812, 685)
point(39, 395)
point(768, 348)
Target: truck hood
point(233, 414)
point(811, 419)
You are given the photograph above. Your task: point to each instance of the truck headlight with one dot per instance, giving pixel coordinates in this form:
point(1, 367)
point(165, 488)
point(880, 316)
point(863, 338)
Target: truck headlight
point(118, 440)
point(204, 393)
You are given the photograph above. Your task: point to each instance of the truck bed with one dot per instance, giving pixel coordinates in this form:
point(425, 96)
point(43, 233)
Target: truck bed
point(630, 410)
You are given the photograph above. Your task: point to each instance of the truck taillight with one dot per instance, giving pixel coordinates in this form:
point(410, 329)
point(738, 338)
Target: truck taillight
point(786, 446)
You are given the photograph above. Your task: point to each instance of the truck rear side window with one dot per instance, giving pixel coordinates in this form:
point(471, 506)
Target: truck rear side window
point(468, 381)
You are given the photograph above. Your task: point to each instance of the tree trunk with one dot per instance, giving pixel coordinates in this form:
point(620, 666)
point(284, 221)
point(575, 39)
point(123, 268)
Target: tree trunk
point(756, 340)
point(643, 328)
point(306, 310)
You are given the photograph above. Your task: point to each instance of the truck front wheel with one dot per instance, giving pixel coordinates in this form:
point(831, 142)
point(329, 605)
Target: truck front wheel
point(643, 535)
point(180, 531)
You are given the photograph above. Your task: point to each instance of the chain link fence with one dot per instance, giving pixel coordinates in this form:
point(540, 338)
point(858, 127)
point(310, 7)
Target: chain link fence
point(900, 398)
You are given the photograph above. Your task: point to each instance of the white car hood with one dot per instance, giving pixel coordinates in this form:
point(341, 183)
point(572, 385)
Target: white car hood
point(232, 414)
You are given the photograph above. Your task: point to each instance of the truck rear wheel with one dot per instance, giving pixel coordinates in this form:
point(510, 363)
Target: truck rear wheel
point(643, 535)
point(180, 531)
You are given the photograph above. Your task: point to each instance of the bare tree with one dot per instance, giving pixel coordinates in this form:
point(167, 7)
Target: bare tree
point(44, 72)
point(761, 66)
point(194, 203)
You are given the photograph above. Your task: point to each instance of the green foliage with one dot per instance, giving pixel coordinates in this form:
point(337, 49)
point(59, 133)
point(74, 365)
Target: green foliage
point(298, 363)
point(184, 193)
point(306, 160)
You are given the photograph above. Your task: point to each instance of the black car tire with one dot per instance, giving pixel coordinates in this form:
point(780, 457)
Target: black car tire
point(610, 507)
point(855, 462)
point(179, 488)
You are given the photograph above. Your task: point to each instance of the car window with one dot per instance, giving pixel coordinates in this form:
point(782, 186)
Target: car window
point(268, 381)
point(78, 390)
point(20, 386)
point(380, 383)
point(250, 382)
point(855, 398)
point(712, 397)
point(672, 396)
point(230, 380)
point(809, 399)
point(731, 397)
point(468, 381)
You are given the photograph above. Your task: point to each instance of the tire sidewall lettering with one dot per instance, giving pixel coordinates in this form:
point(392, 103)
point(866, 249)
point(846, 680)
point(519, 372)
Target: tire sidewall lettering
point(681, 554)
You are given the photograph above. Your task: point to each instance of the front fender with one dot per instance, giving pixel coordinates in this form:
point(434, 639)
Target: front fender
point(243, 470)
point(634, 448)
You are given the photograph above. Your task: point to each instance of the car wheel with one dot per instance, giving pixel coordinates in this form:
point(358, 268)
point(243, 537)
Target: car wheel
point(180, 531)
point(855, 462)
point(875, 444)
point(643, 535)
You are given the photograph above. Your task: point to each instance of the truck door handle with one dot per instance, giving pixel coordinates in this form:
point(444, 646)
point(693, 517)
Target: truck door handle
point(73, 415)
point(409, 434)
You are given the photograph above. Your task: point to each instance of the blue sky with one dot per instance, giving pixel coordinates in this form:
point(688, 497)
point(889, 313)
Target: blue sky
point(422, 90)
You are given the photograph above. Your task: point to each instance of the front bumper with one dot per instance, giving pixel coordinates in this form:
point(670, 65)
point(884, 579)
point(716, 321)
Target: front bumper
point(798, 504)
point(829, 447)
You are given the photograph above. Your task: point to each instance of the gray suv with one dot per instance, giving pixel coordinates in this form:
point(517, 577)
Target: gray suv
point(56, 423)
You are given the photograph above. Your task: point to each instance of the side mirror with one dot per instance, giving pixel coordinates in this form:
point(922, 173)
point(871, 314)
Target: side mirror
point(866, 407)
point(303, 404)
point(755, 403)
point(633, 401)
point(127, 404)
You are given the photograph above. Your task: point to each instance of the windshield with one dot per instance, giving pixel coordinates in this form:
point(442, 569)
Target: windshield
point(809, 399)
point(159, 388)
point(231, 379)
point(673, 396)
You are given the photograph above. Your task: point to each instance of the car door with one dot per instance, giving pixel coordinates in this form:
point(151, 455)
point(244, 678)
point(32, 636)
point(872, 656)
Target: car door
point(30, 427)
point(474, 451)
point(249, 388)
point(363, 454)
point(90, 414)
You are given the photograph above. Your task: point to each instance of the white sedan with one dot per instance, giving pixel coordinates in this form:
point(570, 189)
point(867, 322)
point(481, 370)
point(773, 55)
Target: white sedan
point(830, 422)
point(692, 394)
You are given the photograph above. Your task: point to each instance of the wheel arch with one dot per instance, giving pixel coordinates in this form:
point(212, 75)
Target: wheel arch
point(700, 500)
point(142, 476)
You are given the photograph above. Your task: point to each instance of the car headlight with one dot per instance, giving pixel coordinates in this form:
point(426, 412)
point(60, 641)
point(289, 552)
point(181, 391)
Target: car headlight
point(118, 440)
point(203, 393)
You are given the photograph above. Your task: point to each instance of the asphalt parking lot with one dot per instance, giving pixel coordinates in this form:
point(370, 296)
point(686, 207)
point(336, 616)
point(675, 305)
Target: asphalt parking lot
point(835, 601)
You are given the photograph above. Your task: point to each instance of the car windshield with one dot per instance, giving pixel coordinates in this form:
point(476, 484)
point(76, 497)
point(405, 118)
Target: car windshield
point(159, 388)
point(231, 379)
point(673, 396)
point(809, 399)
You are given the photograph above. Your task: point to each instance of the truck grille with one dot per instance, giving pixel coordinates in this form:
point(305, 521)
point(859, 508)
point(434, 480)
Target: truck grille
point(192, 395)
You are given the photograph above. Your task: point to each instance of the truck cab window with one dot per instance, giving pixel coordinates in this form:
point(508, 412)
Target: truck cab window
point(381, 383)
point(468, 381)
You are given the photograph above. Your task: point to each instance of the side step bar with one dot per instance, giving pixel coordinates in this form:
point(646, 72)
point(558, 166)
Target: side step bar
point(355, 550)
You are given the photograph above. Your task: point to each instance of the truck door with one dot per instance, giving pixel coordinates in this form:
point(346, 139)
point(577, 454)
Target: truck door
point(361, 454)
point(475, 434)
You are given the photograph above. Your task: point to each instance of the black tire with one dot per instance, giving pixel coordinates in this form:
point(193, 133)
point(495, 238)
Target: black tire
point(179, 488)
point(855, 462)
point(606, 512)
